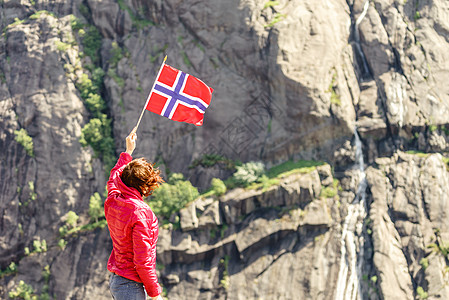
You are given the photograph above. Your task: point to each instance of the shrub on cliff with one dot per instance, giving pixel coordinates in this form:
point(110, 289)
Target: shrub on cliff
point(25, 140)
point(96, 209)
point(97, 134)
point(249, 173)
point(218, 186)
point(170, 197)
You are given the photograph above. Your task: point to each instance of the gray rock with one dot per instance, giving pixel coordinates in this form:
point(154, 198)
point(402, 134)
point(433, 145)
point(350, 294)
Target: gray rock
point(289, 83)
point(188, 217)
point(210, 217)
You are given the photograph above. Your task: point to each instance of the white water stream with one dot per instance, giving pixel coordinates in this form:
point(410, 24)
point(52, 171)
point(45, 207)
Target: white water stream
point(352, 240)
point(365, 70)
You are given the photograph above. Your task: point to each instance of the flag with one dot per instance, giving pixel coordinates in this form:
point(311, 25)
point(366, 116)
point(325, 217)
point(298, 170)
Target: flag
point(179, 96)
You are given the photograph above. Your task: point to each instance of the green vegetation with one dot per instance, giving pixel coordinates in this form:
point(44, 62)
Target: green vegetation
point(70, 227)
point(95, 103)
point(368, 224)
point(225, 280)
point(63, 47)
point(62, 244)
point(138, 22)
point(46, 276)
point(248, 173)
point(90, 88)
point(424, 262)
point(433, 128)
point(10, 270)
point(330, 191)
point(201, 47)
point(223, 229)
point(75, 23)
point(97, 132)
point(186, 59)
point(158, 52)
point(445, 129)
point(417, 16)
point(33, 195)
point(289, 167)
point(91, 41)
point(26, 291)
point(95, 207)
point(418, 153)
point(421, 293)
point(212, 233)
point(84, 10)
point(117, 54)
point(263, 182)
point(440, 247)
point(335, 98)
point(70, 223)
point(252, 175)
point(218, 186)
point(170, 197)
point(92, 226)
point(210, 160)
point(119, 80)
point(277, 18)
point(39, 246)
point(38, 14)
point(25, 140)
point(446, 161)
point(23, 291)
point(270, 4)
point(17, 21)
point(71, 218)
point(174, 195)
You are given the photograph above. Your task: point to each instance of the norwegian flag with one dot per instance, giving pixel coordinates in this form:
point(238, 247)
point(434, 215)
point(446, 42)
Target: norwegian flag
point(179, 96)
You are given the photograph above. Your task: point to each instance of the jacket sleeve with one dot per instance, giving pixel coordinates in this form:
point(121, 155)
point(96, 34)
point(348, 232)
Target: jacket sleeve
point(144, 248)
point(117, 170)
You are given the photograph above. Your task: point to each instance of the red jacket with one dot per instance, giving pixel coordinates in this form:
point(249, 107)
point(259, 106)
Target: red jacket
point(134, 229)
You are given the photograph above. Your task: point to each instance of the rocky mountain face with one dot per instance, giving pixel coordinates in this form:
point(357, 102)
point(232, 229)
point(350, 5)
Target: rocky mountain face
point(359, 85)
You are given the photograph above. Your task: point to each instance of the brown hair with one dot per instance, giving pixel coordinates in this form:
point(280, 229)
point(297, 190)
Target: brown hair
point(142, 176)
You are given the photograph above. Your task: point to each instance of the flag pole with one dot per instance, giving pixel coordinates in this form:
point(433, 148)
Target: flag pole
point(148, 99)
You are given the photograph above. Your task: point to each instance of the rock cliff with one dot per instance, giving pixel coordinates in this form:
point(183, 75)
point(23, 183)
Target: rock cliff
point(293, 80)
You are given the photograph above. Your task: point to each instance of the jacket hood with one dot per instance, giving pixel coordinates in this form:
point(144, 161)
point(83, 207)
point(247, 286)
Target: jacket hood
point(126, 191)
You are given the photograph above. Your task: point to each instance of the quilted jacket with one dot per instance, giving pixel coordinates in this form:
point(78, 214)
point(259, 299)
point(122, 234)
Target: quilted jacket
point(134, 230)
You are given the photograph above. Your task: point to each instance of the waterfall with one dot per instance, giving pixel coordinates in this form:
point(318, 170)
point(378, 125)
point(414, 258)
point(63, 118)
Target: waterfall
point(365, 71)
point(352, 240)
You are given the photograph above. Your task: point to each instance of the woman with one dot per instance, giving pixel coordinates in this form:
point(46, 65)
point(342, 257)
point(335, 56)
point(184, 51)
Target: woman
point(133, 227)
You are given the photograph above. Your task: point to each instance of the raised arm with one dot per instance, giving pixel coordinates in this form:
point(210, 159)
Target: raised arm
point(131, 141)
point(124, 159)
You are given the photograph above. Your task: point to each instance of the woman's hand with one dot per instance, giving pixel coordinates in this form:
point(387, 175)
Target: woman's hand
point(131, 141)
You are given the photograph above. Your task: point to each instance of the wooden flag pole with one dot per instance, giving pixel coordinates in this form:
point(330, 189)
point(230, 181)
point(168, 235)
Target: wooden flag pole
point(148, 99)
